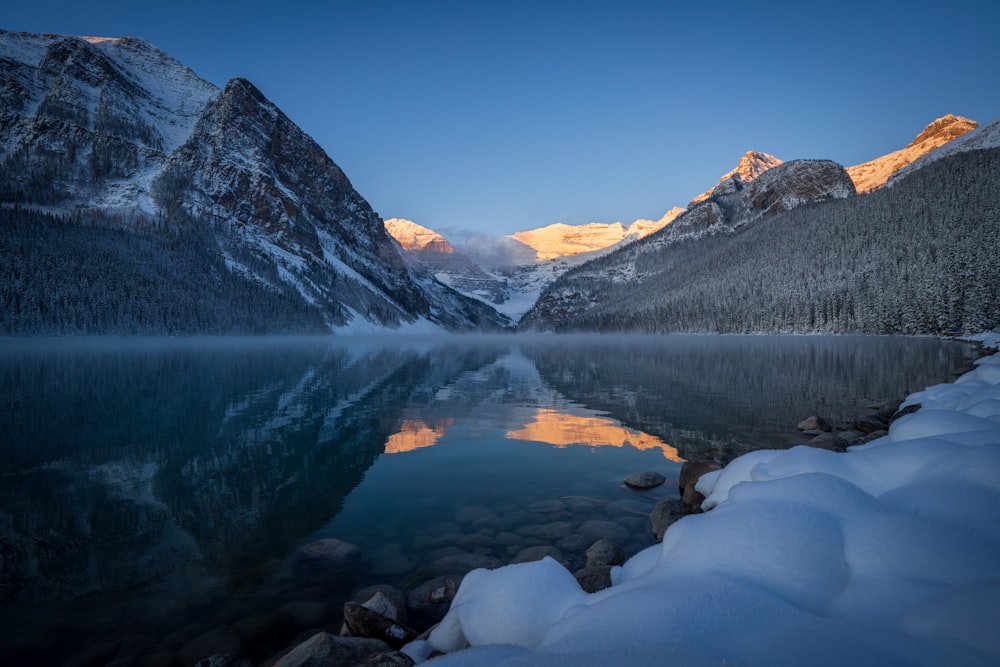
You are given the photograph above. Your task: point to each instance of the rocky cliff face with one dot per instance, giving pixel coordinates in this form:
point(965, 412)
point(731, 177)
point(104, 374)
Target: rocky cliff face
point(751, 165)
point(116, 130)
point(732, 205)
point(875, 173)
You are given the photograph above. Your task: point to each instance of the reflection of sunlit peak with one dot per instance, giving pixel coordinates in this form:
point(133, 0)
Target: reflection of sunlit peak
point(414, 435)
point(561, 430)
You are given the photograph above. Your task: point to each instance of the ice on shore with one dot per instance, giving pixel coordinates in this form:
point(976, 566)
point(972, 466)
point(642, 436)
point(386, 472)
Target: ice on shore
point(888, 554)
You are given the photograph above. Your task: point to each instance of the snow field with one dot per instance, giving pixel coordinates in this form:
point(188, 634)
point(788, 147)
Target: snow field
point(887, 554)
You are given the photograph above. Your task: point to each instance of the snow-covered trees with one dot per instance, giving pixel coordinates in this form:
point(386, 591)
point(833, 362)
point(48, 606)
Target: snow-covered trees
point(922, 256)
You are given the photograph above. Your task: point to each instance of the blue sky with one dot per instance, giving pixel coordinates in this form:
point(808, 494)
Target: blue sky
point(499, 116)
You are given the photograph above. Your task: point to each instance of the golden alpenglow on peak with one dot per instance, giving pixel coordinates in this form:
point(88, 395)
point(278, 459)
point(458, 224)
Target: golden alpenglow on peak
point(562, 430)
point(414, 237)
point(414, 434)
point(874, 173)
point(561, 240)
point(751, 165)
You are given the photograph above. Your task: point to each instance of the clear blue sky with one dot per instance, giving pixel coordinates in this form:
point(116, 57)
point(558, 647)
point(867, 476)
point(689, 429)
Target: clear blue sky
point(500, 116)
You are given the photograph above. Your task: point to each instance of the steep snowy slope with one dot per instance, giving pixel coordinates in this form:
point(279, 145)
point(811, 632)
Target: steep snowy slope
point(115, 133)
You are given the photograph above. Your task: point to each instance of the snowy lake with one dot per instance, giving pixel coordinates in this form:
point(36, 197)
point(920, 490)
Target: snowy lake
point(154, 493)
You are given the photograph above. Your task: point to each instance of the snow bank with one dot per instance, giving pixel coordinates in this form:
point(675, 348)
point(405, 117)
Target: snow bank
point(886, 554)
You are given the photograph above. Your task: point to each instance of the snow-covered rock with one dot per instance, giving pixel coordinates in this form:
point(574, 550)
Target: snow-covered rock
point(751, 165)
point(886, 554)
point(984, 137)
point(874, 173)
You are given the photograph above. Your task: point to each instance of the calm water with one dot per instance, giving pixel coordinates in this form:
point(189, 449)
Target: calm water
point(152, 492)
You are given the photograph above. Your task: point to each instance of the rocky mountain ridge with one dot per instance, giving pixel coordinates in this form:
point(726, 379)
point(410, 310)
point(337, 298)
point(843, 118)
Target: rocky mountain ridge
point(875, 173)
point(796, 251)
point(116, 133)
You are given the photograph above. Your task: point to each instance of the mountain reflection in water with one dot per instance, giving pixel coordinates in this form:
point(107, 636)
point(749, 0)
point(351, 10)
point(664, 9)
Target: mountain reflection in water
point(158, 482)
point(562, 430)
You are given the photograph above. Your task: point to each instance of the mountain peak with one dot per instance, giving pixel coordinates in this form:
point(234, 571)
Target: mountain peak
point(751, 165)
point(944, 129)
point(414, 237)
point(874, 173)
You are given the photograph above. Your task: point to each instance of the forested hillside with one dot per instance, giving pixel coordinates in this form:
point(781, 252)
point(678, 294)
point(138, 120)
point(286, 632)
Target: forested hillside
point(67, 275)
point(922, 256)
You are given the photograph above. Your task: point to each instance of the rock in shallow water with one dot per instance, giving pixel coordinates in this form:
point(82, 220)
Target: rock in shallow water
point(324, 649)
point(647, 479)
point(814, 423)
point(365, 622)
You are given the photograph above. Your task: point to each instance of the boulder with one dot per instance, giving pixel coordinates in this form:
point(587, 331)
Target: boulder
point(666, 512)
point(594, 578)
point(829, 441)
point(386, 600)
point(647, 479)
point(364, 622)
point(869, 424)
point(324, 649)
point(691, 471)
point(604, 552)
point(902, 412)
point(814, 423)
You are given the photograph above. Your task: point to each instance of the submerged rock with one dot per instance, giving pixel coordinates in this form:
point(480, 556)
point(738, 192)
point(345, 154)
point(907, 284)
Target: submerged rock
point(328, 558)
point(647, 479)
point(538, 553)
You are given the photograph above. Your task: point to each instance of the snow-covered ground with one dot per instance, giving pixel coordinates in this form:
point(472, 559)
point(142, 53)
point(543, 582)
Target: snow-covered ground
point(888, 554)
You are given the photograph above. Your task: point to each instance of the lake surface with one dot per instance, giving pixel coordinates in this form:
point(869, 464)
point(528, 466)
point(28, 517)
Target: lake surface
point(153, 492)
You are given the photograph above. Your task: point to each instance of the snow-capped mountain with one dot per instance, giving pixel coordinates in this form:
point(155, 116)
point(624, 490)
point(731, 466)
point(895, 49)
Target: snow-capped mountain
point(873, 174)
point(415, 238)
point(796, 250)
point(510, 272)
point(560, 240)
point(116, 133)
point(982, 138)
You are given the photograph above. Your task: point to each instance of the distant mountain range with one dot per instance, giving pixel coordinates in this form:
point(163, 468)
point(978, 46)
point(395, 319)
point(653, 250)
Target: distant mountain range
point(797, 250)
point(526, 263)
point(137, 198)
